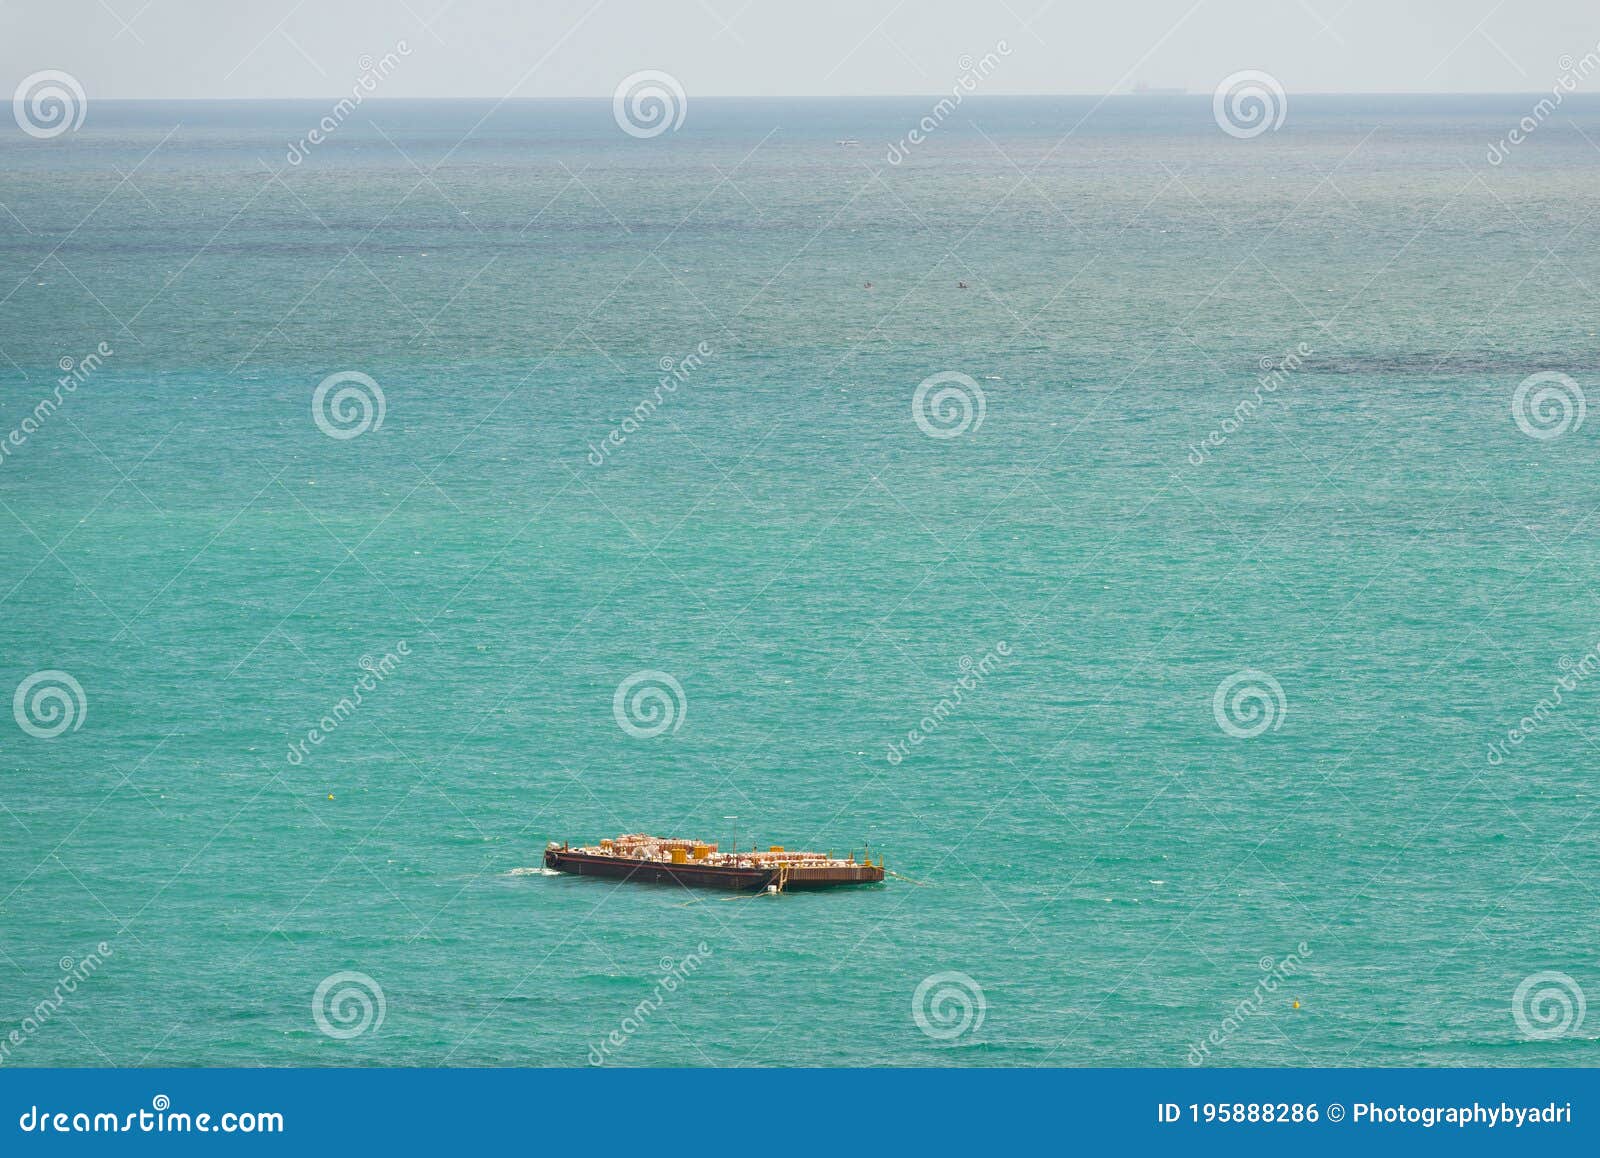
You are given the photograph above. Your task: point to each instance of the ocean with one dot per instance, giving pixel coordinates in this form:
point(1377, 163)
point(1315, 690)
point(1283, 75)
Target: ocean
point(1238, 593)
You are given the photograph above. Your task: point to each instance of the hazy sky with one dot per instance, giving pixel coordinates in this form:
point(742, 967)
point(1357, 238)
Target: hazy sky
point(531, 48)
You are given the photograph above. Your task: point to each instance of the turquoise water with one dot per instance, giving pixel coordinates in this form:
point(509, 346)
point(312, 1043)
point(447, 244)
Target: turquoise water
point(1103, 861)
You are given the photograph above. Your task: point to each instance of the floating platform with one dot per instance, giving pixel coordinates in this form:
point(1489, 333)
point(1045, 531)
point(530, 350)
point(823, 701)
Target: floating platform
point(698, 864)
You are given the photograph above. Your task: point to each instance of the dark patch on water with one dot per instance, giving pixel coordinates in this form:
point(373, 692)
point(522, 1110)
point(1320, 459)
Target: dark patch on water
point(1490, 364)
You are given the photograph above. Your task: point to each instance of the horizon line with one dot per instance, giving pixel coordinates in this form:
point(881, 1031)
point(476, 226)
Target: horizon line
point(1151, 94)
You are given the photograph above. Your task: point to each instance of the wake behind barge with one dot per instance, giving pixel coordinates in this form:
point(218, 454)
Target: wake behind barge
point(698, 864)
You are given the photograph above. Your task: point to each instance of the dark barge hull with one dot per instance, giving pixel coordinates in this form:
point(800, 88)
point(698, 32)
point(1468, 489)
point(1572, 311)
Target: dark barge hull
point(654, 872)
point(701, 876)
point(831, 878)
